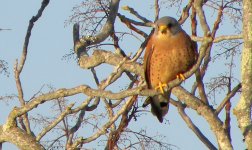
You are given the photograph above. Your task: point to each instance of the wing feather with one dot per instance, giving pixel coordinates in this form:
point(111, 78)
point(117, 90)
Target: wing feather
point(147, 59)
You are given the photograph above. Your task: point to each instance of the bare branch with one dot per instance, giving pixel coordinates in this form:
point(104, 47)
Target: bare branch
point(205, 27)
point(193, 127)
point(142, 47)
point(227, 98)
point(18, 111)
point(198, 6)
point(103, 130)
point(214, 122)
point(145, 24)
point(102, 56)
point(185, 13)
point(201, 87)
point(228, 37)
point(19, 138)
point(81, 44)
point(130, 26)
point(243, 108)
point(28, 34)
point(157, 10)
point(135, 13)
point(26, 124)
point(18, 68)
point(54, 123)
point(220, 38)
point(115, 135)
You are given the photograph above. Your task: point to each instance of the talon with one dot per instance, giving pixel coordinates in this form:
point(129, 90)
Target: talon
point(161, 87)
point(181, 77)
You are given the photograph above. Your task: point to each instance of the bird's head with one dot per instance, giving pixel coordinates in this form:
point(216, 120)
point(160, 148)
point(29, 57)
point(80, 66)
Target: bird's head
point(167, 25)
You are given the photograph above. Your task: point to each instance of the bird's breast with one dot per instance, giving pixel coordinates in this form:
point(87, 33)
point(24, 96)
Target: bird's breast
point(171, 56)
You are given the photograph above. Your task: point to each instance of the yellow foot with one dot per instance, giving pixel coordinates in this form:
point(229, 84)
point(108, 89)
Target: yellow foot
point(181, 77)
point(161, 87)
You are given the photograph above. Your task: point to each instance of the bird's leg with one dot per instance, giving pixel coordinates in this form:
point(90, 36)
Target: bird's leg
point(161, 87)
point(180, 76)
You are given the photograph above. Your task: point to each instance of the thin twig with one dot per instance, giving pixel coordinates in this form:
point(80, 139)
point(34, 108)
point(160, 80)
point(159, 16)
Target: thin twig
point(185, 13)
point(128, 23)
point(227, 98)
point(193, 127)
point(220, 38)
point(55, 122)
point(28, 34)
point(18, 68)
point(102, 130)
point(157, 10)
point(135, 13)
point(81, 44)
point(145, 24)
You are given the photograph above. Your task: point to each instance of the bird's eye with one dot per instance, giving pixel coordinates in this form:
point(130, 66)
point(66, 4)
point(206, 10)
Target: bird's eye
point(169, 25)
point(163, 104)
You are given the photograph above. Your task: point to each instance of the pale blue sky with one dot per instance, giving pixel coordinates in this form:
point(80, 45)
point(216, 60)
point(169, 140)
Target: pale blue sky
point(51, 40)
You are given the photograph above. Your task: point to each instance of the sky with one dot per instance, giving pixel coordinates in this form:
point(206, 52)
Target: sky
point(52, 39)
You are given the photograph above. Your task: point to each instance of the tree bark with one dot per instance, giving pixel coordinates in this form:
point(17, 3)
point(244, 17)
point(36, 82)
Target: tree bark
point(243, 108)
point(19, 138)
point(205, 111)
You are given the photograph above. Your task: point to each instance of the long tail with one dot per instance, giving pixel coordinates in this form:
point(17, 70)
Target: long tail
point(159, 105)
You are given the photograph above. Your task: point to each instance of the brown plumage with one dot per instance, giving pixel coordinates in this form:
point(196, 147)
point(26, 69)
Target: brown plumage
point(170, 52)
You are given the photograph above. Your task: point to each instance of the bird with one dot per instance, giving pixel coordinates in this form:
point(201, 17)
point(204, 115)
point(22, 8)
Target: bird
point(169, 53)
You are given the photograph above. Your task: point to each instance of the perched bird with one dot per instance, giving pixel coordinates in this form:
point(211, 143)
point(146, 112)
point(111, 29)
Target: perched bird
point(170, 52)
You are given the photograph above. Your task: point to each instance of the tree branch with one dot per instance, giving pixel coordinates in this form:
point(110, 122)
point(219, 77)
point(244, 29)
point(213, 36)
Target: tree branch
point(157, 10)
point(135, 13)
point(185, 13)
point(54, 123)
point(193, 127)
point(19, 138)
point(28, 34)
point(103, 130)
point(205, 111)
point(220, 38)
point(145, 24)
point(198, 7)
point(18, 68)
point(101, 56)
point(243, 108)
point(130, 26)
point(115, 135)
point(227, 98)
point(81, 44)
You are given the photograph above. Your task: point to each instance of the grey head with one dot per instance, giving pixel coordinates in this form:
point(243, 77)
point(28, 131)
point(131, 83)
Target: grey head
point(167, 25)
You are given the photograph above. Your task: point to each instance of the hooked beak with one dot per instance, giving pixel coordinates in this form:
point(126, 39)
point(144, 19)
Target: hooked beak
point(163, 28)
